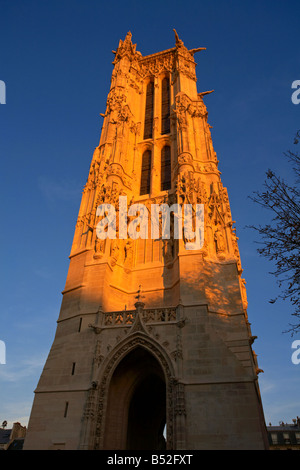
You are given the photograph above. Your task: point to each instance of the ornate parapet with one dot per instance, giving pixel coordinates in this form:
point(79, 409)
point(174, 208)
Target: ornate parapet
point(127, 317)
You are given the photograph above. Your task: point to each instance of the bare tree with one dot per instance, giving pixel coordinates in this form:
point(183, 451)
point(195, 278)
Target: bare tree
point(280, 239)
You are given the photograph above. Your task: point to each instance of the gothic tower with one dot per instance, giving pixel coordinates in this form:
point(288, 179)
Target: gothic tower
point(153, 347)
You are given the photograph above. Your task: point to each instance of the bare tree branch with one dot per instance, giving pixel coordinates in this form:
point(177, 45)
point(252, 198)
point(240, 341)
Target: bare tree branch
point(280, 239)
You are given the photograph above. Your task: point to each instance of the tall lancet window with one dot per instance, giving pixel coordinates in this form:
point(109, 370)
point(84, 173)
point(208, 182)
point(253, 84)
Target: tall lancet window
point(165, 106)
point(148, 127)
point(165, 168)
point(146, 173)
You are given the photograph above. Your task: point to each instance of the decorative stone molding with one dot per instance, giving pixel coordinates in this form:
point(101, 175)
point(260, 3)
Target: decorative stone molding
point(125, 49)
point(117, 354)
point(127, 317)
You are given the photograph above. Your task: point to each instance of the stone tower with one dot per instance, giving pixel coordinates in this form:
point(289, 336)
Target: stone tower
point(153, 347)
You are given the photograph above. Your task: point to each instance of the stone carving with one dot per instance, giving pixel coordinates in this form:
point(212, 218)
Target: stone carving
point(114, 251)
point(185, 158)
point(126, 48)
point(201, 194)
point(97, 330)
point(89, 410)
point(150, 66)
point(128, 248)
point(109, 194)
point(99, 247)
point(115, 101)
point(244, 293)
point(127, 317)
point(195, 108)
point(216, 213)
point(118, 170)
point(180, 110)
point(135, 127)
point(219, 241)
point(179, 397)
point(185, 186)
point(98, 357)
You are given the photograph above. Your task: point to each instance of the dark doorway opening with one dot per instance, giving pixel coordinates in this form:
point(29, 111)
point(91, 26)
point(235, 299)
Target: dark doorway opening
point(136, 407)
point(147, 415)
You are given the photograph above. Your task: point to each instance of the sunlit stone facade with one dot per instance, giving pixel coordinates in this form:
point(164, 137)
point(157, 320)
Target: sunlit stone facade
point(153, 347)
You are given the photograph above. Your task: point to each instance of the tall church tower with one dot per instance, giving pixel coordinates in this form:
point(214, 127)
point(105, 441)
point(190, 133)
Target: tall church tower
point(153, 347)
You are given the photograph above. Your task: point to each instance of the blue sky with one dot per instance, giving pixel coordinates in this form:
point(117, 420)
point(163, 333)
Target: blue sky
point(56, 62)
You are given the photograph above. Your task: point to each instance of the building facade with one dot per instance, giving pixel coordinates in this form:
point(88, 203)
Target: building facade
point(12, 439)
point(153, 347)
point(286, 436)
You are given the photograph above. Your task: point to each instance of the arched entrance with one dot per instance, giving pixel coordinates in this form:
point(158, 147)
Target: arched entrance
point(136, 404)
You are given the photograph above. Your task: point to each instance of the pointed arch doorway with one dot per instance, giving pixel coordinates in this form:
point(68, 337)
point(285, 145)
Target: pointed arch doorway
point(136, 404)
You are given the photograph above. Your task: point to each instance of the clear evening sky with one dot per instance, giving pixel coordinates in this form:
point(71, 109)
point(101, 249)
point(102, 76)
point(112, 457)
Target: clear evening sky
point(56, 62)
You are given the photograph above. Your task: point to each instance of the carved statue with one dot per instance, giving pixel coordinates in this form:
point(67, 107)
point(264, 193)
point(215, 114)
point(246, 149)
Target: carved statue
point(114, 251)
point(219, 240)
point(99, 246)
point(128, 252)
